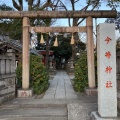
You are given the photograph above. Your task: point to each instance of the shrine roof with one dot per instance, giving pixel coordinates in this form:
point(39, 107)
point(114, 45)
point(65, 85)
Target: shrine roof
point(5, 43)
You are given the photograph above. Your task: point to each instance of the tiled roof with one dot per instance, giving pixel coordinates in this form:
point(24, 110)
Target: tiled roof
point(10, 43)
point(5, 41)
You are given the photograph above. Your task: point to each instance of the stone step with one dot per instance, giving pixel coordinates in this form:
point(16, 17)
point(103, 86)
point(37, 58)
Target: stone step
point(2, 86)
point(37, 109)
point(36, 103)
point(36, 118)
point(49, 113)
point(6, 97)
point(34, 106)
point(7, 90)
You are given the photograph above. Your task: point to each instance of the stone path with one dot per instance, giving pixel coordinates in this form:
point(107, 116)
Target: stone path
point(60, 87)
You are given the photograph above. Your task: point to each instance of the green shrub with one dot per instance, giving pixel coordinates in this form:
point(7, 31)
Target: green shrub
point(38, 75)
point(81, 73)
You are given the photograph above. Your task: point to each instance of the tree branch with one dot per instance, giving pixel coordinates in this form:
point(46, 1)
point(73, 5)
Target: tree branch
point(76, 1)
point(21, 4)
point(16, 5)
point(66, 10)
point(37, 4)
point(56, 5)
point(72, 3)
point(46, 4)
point(30, 3)
point(86, 9)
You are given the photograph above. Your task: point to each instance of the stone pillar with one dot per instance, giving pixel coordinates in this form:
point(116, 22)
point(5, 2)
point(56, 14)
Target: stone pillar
point(50, 59)
point(25, 54)
point(90, 53)
point(25, 91)
point(8, 66)
point(2, 66)
point(106, 64)
point(51, 64)
point(11, 53)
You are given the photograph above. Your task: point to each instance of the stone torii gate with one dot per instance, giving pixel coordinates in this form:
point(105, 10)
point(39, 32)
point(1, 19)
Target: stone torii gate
point(25, 15)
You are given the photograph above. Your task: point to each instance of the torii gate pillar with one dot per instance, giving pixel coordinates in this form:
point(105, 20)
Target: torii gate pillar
point(90, 56)
point(25, 91)
point(25, 54)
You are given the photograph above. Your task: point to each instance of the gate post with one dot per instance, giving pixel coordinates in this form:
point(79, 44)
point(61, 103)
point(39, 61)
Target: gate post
point(25, 54)
point(90, 52)
point(25, 91)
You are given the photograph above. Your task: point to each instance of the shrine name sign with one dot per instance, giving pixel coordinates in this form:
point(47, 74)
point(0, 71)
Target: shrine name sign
point(106, 56)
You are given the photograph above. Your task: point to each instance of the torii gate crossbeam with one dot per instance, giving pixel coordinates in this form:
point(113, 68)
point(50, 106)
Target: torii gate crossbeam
point(58, 29)
point(58, 14)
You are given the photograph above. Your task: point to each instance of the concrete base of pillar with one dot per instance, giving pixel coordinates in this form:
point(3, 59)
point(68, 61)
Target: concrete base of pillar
point(91, 91)
point(24, 93)
point(95, 116)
